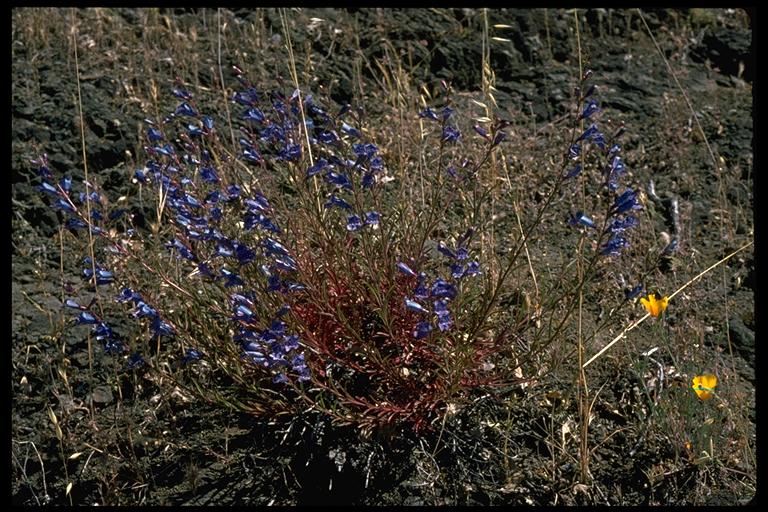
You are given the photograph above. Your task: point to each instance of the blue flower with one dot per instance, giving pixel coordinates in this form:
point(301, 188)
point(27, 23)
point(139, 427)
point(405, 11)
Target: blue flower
point(429, 114)
point(574, 151)
point(181, 93)
point(86, 318)
point(252, 155)
point(372, 218)
point(231, 278)
point(191, 355)
point(473, 269)
point(581, 218)
point(625, 202)
point(337, 201)
point(634, 292)
point(208, 174)
point(275, 247)
point(349, 130)
point(442, 288)
point(450, 134)
point(619, 225)
point(422, 330)
point(253, 114)
point(367, 151)
point(338, 179)
point(614, 246)
point(444, 321)
point(318, 167)
point(185, 110)
point(590, 109)
point(405, 269)
point(244, 254)
point(575, 171)
point(354, 223)
point(480, 131)
point(47, 187)
point(415, 306)
point(102, 276)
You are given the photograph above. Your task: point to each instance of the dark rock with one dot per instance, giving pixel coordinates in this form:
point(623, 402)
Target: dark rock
point(743, 338)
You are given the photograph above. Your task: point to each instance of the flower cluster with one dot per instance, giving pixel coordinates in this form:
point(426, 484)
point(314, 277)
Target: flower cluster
point(273, 347)
point(619, 218)
point(101, 331)
point(440, 291)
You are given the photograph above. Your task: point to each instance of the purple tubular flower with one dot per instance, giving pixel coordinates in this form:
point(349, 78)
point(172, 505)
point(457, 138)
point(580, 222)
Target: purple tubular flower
point(619, 225)
point(625, 202)
point(372, 218)
point(191, 355)
point(574, 151)
point(61, 204)
point(185, 110)
point(161, 328)
point(338, 179)
point(589, 133)
point(590, 109)
point(244, 254)
point(286, 263)
point(318, 167)
point(480, 131)
point(135, 361)
point(74, 305)
point(102, 331)
point(405, 269)
point(252, 155)
point(415, 306)
point(183, 250)
point(575, 171)
point(354, 223)
point(614, 246)
point(451, 134)
point(473, 269)
point(429, 114)
point(232, 279)
point(337, 201)
point(328, 138)
point(253, 114)
point(444, 321)
point(349, 130)
point(368, 180)
point(102, 276)
point(47, 187)
point(208, 174)
point(181, 93)
point(457, 271)
point(442, 288)
point(86, 318)
point(445, 250)
point(581, 218)
point(275, 247)
point(422, 330)
point(634, 292)
point(367, 151)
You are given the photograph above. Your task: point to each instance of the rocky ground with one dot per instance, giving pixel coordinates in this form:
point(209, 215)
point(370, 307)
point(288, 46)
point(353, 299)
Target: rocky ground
point(145, 446)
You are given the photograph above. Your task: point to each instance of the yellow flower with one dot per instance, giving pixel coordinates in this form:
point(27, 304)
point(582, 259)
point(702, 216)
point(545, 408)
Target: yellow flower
point(704, 386)
point(653, 305)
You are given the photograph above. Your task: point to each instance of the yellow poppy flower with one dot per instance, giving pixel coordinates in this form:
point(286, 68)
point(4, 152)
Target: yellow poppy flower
point(704, 386)
point(653, 305)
